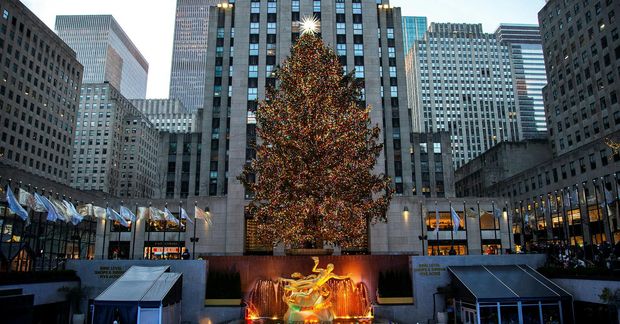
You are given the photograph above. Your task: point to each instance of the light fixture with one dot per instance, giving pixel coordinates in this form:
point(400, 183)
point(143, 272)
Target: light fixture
point(406, 209)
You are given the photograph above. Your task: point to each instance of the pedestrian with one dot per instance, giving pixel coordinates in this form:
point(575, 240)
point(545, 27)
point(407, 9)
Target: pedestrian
point(185, 255)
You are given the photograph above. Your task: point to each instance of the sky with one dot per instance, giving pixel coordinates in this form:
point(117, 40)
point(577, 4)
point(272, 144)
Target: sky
point(150, 23)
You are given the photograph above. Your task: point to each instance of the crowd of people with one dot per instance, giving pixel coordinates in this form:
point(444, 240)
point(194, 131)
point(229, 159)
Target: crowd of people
point(602, 255)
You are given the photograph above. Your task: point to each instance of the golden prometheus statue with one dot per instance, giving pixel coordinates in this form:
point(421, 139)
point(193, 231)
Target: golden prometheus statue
point(308, 297)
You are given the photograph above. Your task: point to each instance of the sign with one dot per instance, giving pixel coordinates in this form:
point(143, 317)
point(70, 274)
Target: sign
point(429, 269)
point(108, 272)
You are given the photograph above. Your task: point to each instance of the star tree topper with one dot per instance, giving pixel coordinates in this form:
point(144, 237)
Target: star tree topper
point(310, 25)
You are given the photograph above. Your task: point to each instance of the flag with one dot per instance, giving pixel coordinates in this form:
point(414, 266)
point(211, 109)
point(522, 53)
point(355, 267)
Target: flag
point(99, 212)
point(143, 212)
point(156, 214)
point(115, 216)
point(609, 197)
point(456, 220)
point(184, 216)
point(436, 230)
point(199, 213)
point(27, 199)
point(14, 204)
point(496, 212)
point(85, 209)
point(169, 217)
point(61, 209)
point(566, 199)
point(52, 214)
point(471, 212)
point(127, 214)
point(574, 199)
point(76, 218)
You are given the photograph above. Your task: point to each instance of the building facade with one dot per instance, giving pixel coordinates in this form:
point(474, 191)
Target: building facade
point(431, 159)
point(460, 81)
point(572, 197)
point(39, 95)
point(115, 145)
point(528, 71)
point(581, 47)
point(414, 28)
point(189, 52)
point(169, 115)
point(106, 52)
point(502, 161)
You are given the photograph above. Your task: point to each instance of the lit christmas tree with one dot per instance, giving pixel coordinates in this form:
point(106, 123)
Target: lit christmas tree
point(314, 180)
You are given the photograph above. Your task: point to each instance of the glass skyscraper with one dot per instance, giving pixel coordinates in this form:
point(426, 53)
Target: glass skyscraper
point(106, 52)
point(529, 73)
point(189, 52)
point(414, 28)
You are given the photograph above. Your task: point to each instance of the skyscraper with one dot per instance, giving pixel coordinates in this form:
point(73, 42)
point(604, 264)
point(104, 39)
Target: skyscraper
point(529, 74)
point(169, 115)
point(39, 95)
point(106, 52)
point(460, 81)
point(116, 146)
point(263, 33)
point(189, 52)
point(581, 97)
point(414, 28)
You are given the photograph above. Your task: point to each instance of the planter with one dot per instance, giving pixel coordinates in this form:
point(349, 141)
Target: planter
point(394, 300)
point(223, 302)
point(78, 318)
point(309, 252)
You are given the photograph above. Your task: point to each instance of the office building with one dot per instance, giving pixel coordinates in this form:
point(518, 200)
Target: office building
point(39, 95)
point(106, 52)
point(116, 146)
point(189, 52)
point(169, 115)
point(414, 28)
point(460, 81)
point(528, 71)
point(571, 197)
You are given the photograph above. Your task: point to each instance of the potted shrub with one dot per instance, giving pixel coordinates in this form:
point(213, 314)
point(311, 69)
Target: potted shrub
point(75, 295)
point(395, 287)
point(223, 288)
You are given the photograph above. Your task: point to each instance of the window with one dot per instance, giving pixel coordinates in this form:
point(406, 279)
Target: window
point(592, 161)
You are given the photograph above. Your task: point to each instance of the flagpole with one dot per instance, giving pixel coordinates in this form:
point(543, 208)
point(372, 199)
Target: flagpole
point(134, 226)
point(4, 220)
point(452, 229)
point(466, 227)
point(610, 239)
point(421, 228)
point(571, 219)
point(194, 237)
point(19, 262)
point(600, 212)
point(583, 220)
point(567, 217)
point(118, 243)
point(437, 227)
point(617, 194)
point(9, 259)
point(163, 253)
point(105, 227)
point(90, 231)
point(480, 227)
point(522, 234)
point(179, 229)
point(509, 223)
point(148, 222)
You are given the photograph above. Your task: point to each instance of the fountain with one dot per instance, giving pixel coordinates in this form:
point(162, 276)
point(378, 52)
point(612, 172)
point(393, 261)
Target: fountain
point(319, 297)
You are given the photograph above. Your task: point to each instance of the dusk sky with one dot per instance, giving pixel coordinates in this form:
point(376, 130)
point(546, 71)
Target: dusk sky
point(150, 23)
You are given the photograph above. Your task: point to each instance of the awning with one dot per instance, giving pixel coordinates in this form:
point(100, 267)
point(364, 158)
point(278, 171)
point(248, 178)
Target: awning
point(506, 283)
point(144, 286)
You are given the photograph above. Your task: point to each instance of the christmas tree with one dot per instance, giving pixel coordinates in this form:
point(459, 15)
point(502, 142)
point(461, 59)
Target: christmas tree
point(314, 181)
